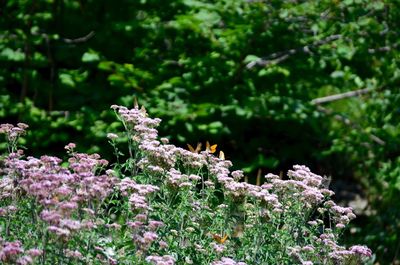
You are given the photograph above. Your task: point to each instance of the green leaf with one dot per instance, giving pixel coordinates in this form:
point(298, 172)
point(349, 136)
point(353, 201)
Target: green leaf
point(12, 55)
point(106, 65)
point(90, 56)
point(67, 80)
point(251, 58)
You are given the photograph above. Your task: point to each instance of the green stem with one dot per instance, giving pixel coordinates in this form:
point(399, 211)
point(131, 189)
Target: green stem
point(44, 242)
point(60, 254)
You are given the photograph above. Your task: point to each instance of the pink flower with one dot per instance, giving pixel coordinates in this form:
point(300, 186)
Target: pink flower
point(135, 224)
point(163, 244)
point(161, 260)
point(73, 254)
point(141, 217)
point(155, 224)
point(10, 250)
point(149, 237)
point(219, 248)
point(34, 252)
point(361, 250)
point(70, 224)
point(227, 261)
point(70, 147)
point(24, 260)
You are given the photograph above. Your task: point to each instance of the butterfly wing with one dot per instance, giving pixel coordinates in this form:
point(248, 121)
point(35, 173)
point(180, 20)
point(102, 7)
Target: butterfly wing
point(191, 149)
point(213, 148)
point(198, 148)
point(219, 239)
point(224, 239)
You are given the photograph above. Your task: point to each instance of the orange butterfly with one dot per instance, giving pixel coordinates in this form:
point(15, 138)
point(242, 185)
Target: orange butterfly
point(219, 239)
point(197, 150)
point(211, 148)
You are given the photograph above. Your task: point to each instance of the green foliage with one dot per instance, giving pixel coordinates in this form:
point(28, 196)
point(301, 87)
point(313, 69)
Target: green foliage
point(242, 73)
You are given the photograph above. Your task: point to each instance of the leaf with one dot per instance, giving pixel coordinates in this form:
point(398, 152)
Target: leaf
point(337, 74)
point(106, 65)
point(251, 58)
point(9, 54)
point(90, 57)
point(67, 80)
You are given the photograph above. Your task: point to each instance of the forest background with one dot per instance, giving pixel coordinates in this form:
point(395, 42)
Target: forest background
point(251, 76)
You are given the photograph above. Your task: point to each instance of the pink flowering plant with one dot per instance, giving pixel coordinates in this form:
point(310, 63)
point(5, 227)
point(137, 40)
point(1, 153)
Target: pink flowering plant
point(162, 204)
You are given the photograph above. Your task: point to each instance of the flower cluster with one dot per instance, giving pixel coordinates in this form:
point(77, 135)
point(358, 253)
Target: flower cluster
point(13, 252)
point(13, 133)
point(164, 260)
point(227, 261)
point(65, 199)
point(168, 205)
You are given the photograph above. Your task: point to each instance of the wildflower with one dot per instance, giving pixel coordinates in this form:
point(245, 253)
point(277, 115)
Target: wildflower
point(23, 126)
point(68, 206)
point(51, 217)
point(227, 261)
point(340, 226)
point(161, 260)
point(141, 217)
point(24, 260)
point(361, 250)
point(163, 244)
point(59, 231)
point(194, 177)
point(237, 175)
point(164, 140)
point(313, 223)
point(70, 224)
point(150, 237)
point(34, 252)
point(155, 224)
point(190, 229)
point(218, 247)
point(134, 225)
point(70, 147)
point(112, 136)
point(188, 260)
point(10, 250)
point(73, 254)
point(308, 248)
point(113, 226)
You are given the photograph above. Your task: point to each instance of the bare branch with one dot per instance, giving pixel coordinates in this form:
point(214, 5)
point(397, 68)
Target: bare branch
point(66, 40)
point(341, 96)
point(278, 57)
point(387, 48)
point(81, 39)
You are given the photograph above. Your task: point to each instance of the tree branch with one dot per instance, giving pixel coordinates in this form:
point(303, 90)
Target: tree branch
point(81, 39)
point(278, 57)
point(341, 96)
point(67, 40)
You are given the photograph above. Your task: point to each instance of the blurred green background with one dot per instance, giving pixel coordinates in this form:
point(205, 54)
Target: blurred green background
point(247, 75)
